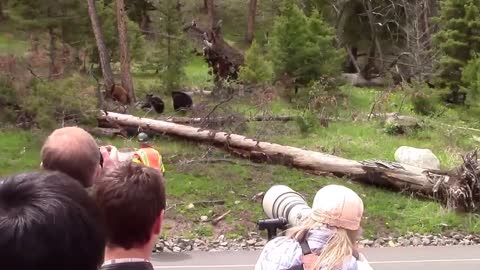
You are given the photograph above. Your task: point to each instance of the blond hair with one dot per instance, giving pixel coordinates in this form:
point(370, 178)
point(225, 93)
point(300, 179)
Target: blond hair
point(340, 246)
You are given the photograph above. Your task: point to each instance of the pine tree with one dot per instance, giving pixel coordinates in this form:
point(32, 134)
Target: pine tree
point(257, 69)
point(458, 38)
point(303, 47)
point(170, 57)
point(289, 40)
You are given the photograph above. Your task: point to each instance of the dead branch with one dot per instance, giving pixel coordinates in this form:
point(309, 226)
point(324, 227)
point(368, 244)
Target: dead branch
point(218, 219)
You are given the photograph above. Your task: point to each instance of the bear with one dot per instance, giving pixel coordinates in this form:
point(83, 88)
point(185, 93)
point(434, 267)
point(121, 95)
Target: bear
point(119, 94)
point(181, 101)
point(155, 102)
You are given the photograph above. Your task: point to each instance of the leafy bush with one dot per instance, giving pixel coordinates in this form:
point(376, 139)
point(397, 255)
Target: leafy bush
point(257, 70)
point(307, 122)
point(54, 102)
point(424, 100)
point(8, 99)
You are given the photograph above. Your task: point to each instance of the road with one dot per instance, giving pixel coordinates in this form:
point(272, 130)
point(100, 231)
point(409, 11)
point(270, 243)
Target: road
point(419, 258)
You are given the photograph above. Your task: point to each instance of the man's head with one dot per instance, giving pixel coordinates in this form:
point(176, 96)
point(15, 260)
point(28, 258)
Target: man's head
point(132, 200)
point(48, 221)
point(73, 151)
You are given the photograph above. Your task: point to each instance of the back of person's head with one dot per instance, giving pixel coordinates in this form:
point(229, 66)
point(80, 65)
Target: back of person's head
point(73, 151)
point(132, 200)
point(48, 221)
point(339, 209)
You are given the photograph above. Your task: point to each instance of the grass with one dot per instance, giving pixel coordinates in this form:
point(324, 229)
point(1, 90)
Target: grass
point(197, 73)
point(386, 212)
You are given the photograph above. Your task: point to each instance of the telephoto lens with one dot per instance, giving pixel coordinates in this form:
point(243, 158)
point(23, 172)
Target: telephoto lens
point(283, 202)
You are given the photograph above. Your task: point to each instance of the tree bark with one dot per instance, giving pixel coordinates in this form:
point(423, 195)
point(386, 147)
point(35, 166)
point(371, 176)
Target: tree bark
point(2, 15)
point(211, 13)
point(205, 5)
point(434, 184)
point(252, 12)
point(52, 50)
point(102, 48)
point(127, 81)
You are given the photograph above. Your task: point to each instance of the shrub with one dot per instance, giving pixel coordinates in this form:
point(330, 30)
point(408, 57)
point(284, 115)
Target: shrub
point(471, 78)
point(55, 102)
point(257, 70)
point(424, 100)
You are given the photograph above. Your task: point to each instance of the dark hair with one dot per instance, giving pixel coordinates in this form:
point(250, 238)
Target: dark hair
point(131, 198)
point(48, 221)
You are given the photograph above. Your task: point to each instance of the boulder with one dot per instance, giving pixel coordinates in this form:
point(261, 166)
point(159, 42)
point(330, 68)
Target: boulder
point(401, 124)
point(422, 158)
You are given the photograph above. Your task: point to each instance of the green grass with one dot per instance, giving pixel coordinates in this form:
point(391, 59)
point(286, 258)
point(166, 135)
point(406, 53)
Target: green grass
point(197, 73)
point(20, 151)
point(189, 180)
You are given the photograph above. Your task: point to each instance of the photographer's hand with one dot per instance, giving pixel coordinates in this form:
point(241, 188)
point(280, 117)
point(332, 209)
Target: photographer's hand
point(110, 157)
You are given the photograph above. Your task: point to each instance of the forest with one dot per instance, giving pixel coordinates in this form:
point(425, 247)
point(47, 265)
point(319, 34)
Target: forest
point(243, 94)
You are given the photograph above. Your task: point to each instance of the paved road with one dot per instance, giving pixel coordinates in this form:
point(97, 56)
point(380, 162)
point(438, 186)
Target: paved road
point(420, 258)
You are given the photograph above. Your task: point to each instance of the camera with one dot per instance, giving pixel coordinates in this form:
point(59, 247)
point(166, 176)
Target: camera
point(284, 207)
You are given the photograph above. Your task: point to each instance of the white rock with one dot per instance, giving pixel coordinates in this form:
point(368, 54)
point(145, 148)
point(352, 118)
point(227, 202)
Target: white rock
point(422, 158)
point(203, 218)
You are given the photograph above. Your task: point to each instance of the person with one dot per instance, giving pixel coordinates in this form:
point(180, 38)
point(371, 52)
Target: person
point(326, 240)
point(147, 155)
point(132, 200)
point(74, 151)
point(48, 221)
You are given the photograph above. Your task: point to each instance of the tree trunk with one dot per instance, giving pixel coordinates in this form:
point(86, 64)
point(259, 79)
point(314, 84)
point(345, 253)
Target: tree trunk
point(102, 48)
point(2, 15)
point(252, 12)
point(443, 186)
point(211, 13)
point(127, 81)
point(205, 5)
point(52, 52)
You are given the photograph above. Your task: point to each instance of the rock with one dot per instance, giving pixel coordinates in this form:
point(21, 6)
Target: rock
point(426, 241)
point(237, 202)
point(159, 246)
point(405, 242)
point(251, 242)
point(422, 158)
point(223, 244)
point(190, 206)
point(457, 236)
point(366, 242)
point(378, 242)
point(204, 218)
point(221, 238)
point(176, 249)
point(416, 241)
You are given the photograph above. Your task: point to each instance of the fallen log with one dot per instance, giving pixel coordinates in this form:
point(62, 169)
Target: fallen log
point(388, 174)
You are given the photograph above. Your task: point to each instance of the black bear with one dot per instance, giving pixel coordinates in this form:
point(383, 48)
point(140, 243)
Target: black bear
point(181, 101)
point(155, 102)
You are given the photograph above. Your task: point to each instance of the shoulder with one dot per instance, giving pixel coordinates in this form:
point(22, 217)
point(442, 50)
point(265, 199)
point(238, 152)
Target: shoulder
point(280, 253)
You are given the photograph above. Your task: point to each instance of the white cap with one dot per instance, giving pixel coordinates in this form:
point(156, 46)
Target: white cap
point(338, 206)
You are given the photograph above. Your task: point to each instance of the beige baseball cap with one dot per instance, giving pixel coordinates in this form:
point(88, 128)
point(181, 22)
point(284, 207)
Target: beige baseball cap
point(338, 206)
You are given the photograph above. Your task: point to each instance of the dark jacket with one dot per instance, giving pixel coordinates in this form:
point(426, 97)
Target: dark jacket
point(128, 266)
